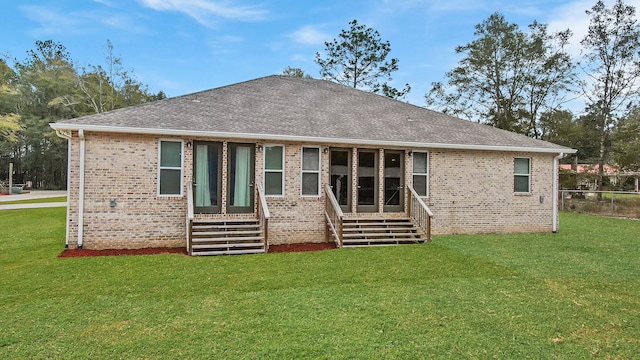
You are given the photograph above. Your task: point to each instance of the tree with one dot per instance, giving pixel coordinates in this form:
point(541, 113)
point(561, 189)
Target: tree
point(359, 59)
point(45, 75)
point(47, 87)
point(558, 126)
point(626, 143)
point(507, 78)
point(110, 87)
point(612, 66)
point(9, 118)
point(295, 72)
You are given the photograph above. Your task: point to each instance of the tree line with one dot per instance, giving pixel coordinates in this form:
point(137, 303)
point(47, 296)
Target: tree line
point(521, 80)
point(514, 79)
point(48, 86)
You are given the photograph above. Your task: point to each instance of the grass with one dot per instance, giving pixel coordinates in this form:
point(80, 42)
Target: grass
point(36, 201)
point(575, 294)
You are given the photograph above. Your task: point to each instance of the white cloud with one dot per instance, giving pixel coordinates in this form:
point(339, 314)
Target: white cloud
point(309, 35)
point(225, 44)
point(105, 2)
point(572, 16)
point(50, 21)
point(299, 58)
point(433, 6)
point(205, 12)
point(53, 21)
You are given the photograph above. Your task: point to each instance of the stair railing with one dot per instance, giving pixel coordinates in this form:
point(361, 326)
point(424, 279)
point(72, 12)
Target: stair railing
point(419, 212)
point(333, 215)
point(263, 216)
point(190, 216)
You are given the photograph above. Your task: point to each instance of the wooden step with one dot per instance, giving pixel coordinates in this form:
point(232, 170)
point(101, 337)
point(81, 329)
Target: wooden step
point(373, 244)
point(224, 221)
point(365, 229)
point(225, 246)
point(385, 239)
point(380, 231)
point(226, 237)
point(403, 234)
point(229, 252)
point(374, 219)
point(223, 234)
point(377, 221)
point(380, 242)
point(227, 240)
point(225, 226)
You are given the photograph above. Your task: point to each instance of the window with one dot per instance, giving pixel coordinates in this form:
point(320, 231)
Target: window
point(170, 169)
point(274, 170)
point(310, 171)
point(421, 173)
point(521, 175)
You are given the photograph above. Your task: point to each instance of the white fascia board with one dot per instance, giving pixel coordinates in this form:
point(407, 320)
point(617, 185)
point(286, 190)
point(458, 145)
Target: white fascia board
point(320, 140)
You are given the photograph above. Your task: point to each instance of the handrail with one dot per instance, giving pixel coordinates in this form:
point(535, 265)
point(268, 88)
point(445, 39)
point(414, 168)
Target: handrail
point(190, 215)
point(333, 215)
point(419, 212)
point(263, 215)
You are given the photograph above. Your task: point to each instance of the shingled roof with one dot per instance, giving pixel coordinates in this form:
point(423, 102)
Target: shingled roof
point(280, 108)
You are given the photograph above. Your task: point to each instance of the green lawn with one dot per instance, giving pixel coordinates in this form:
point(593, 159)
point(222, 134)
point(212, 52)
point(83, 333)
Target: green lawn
point(575, 294)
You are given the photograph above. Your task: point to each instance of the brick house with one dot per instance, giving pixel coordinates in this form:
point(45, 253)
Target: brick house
point(280, 160)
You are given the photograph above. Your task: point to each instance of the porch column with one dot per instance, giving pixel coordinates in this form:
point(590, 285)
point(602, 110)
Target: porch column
point(408, 177)
point(381, 181)
point(224, 185)
point(354, 180)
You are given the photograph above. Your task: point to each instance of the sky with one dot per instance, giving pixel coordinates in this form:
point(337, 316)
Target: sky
point(184, 46)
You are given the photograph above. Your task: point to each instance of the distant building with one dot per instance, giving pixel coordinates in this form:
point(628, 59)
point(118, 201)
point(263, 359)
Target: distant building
point(614, 175)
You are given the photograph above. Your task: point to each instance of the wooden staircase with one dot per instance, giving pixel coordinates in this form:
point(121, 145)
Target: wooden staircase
point(378, 231)
point(226, 237)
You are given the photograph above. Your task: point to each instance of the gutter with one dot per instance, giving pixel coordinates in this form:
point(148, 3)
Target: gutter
point(299, 138)
point(556, 160)
point(81, 190)
point(68, 137)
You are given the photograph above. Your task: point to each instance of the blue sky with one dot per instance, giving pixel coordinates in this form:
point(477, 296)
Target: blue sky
point(182, 46)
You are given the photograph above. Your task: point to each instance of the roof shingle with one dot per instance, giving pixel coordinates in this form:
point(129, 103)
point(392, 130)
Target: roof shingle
point(287, 107)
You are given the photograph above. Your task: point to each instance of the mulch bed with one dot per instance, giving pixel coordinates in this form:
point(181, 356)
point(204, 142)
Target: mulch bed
point(118, 252)
point(154, 251)
point(301, 247)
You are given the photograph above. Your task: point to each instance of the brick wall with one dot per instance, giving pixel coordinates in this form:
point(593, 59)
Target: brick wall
point(470, 192)
point(123, 168)
point(295, 218)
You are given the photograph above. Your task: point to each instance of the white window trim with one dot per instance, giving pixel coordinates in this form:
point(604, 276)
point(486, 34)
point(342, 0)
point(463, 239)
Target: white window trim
point(264, 169)
point(528, 175)
point(317, 172)
point(426, 175)
point(181, 168)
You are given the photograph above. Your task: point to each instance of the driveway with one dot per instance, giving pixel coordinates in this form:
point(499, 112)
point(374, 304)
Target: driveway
point(35, 194)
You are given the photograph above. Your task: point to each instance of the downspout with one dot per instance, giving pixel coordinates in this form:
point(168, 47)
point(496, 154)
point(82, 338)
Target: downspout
point(65, 136)
point(81, 190)
point(556, 161)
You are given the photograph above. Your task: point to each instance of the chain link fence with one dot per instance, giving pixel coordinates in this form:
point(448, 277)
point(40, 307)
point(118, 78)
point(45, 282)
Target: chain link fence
point(606, 203)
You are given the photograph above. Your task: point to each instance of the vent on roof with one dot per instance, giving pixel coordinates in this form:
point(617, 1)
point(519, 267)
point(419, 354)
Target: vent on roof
point(195, 99)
